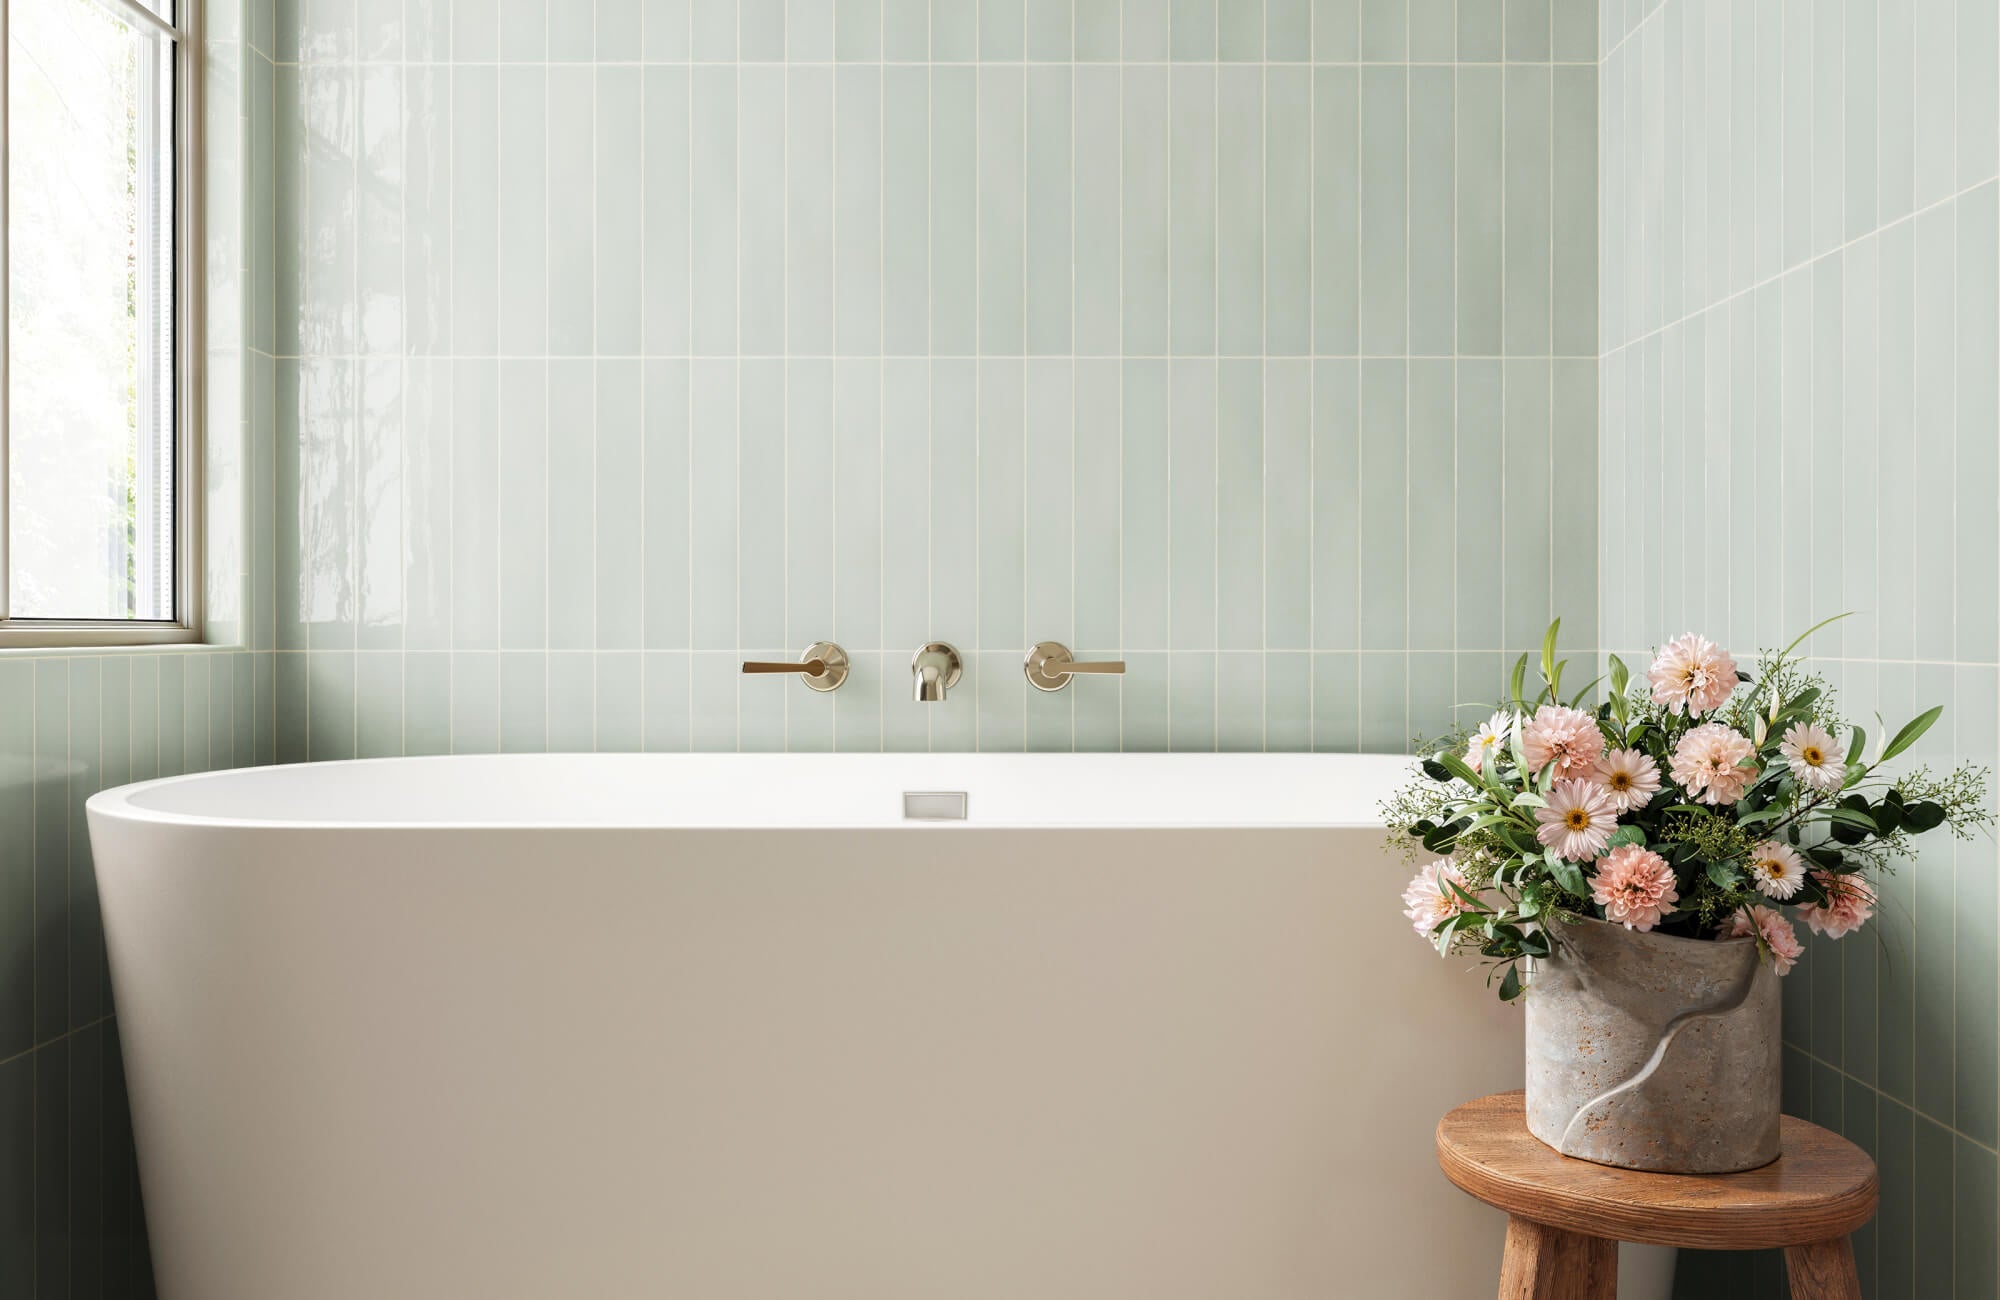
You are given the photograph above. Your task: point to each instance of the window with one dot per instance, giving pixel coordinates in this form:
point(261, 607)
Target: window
point(97, 427)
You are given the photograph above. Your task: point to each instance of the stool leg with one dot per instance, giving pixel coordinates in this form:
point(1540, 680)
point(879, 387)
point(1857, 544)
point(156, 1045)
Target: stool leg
point(1823, 1270)
point(1544, 1263)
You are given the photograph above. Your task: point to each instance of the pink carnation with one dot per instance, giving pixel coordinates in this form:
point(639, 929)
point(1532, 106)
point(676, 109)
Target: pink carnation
point(1773, 932)
point(1427, 900)
point(1708, 763)
point(1577, 820)
point(1634, 886)
point(1692, 674)
point(1568, 738)
point(1850, 902)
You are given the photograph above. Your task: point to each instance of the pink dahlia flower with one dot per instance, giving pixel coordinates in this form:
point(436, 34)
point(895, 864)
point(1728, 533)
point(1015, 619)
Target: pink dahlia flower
point(1568, 738)
point(1708, 763)
point(1815, 761)
point(1576, 821)
point(1850, 903)
point(1773, 933)
point(1628, 778)
point(1634, 886)
point(1776, 869)
point(1427, 900)
point(1692, 674)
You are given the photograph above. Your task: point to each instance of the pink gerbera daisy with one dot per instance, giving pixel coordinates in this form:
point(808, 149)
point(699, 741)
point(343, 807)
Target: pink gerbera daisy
point(1776, 869)
point(1634, 886)
point(1774, 934)
point(1427, 899)
point(1815, 762)
point(1708, 763)
point(1692, 674)
point(1628, 778)
point(1850, 902)
point(1567, 738)
point(1576, 821)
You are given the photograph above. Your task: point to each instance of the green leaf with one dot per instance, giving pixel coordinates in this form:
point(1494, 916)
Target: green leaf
point(1435, 770)
point(1921, 817)
point(1723, 874)
point(1786, 653)
point(1626, 835)
point(1911, 733)
point(1760, 815)
point(1577, 698)
point(1568, 875)
point(1457, 766)
point(1510, 984)
point(1621, 677)
point(1520, 676)
point(1529, 799)
point(1549, 673)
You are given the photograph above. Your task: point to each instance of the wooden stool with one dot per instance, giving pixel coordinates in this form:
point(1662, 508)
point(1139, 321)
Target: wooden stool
point(1566, 1217)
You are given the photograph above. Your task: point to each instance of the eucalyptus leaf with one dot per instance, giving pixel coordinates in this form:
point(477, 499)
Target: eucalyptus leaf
point(1510, 984)
point(1911, 733)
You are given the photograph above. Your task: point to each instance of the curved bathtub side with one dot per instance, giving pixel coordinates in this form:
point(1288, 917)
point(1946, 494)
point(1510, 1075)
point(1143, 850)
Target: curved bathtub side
point(988, 1064)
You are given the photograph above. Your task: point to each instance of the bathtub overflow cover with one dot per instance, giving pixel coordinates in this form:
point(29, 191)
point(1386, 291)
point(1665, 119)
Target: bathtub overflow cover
point(934, 805)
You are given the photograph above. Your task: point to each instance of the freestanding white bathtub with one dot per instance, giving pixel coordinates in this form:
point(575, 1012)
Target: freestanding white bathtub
point(727, 1027)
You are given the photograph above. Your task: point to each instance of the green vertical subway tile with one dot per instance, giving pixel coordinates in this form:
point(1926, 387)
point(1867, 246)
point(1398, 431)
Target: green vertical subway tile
point(1795, 401)
point(51, 765)
point(1934, 164)
point(1002, 210)
point(571, 488)
point(1098, 719)
point(571, 34)
point(1433, 701)
point(1741, 382)
point(1288, 712)
point(1239, 703)
point(810, 512)
point(1287, 505)
point(145, 717)
point(1895, 1230)
point(1829, 188)
point(713, 498)
point(906, 30)
point(1433, 309)
point(1192, 30)
point(381, 392)
point(1481, 38)
point(1766, 143)
point(1978, 127)
point(1858, 1125)
point(1529, 31)
point(1480, 675)
point(1895, 468)
point(1192, 528)
point(1933, 447)
point(571, 193)
point(1613, 265)
point(1239, 506)
point(712, 695)
point(1796, 1084)
point(761, 30)
point(1797, 130)
point(572, 704)
point(1480, 193)
point(1336, 30)
point(1097, 31)
point(857, 252)
point(954, 477)
point(760, 524)
point(1048, 254)
point(1050, 722)
point(475, 509)
point(1934, 1208)
point(475, 702)
point(1146, 27)
point(809, 28)
point(427, 110)
point(761, 317)
point(290, 717)
point(1190, 215)
point(665, 701)
point(1383, 711)
point(521, 30)
point(1615, 617)
point(1384, 218)
point(1860, 353)
point(379, 203)
point(524, 702)
point(1240, 219)
point(713, 205)
point(1433, 27)
point(1146, 532)
point(619, 24)
point(956, 731)
point(89, 1253)
point(856, 596)
point(1527, 215)
point(327, 217)
point(1976, 990)
point(1240, 32)
point(1895, 979)
point(906, 539)
point(1049, 506)
point(1575, 37)
point(17, 856)
point(1098, 469)
point(291, 606)
point(1384, 506)
point(953, 212)
point(1001, 537)
point(1827, 381)
point(857, 707)
point(1385, 31)
point(906, 725)
point(665, 503)
point(620, 703)
point(1288, 30)
point(1096, 141)
point(326, 504)
point(114, 721)
point(1336, 212)
point(173, 713)
point(330, 704)
point(1336, 505)
point(1288, 215)
point(1049, 24)
point(619, 233)
point(1742, 39)
point(1977, 540)
point(1336, 702)
point(999, 690)
point(1192, 703)
point(1573, 295)
point(1573, 452)
point(954, 30)
point(1976, 1209)
point(1431, 542)
point(1144, 726)
point(378, 705)
point(1859, 1008)
point(1935, 911)
point(49, 1158)
point(195, 723)
point(1862, 122)
point(905, 210)
point(1526, 549)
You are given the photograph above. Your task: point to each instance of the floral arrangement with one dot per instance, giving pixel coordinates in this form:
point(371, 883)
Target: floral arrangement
point(1702, 802)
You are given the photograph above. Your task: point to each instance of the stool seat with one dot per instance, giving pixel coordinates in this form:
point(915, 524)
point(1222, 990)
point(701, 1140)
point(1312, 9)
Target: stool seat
point(1564, 1214)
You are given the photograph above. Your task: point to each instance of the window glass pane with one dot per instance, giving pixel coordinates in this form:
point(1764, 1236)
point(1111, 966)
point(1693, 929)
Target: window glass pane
point(90, 314)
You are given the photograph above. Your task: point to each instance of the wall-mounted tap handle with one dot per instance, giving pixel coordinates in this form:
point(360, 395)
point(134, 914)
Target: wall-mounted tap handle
point(1050, 665)
point(823, 667)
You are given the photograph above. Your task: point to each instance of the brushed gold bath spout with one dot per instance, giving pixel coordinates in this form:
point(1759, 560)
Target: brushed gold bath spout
point(823, 667)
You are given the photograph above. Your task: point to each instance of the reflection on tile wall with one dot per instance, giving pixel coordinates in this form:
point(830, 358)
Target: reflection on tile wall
point(620, 342)
point(1801, 321)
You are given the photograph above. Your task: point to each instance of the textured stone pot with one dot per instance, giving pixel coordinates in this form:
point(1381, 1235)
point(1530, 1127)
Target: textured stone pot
point(1649, 1051)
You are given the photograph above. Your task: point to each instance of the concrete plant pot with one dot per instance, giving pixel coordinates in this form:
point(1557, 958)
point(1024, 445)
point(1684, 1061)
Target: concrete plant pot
point(1649, 1051)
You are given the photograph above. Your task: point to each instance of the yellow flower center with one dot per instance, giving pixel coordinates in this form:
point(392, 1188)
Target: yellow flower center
point(1577, 819)
point(1813, 755)
point(1621, 780)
